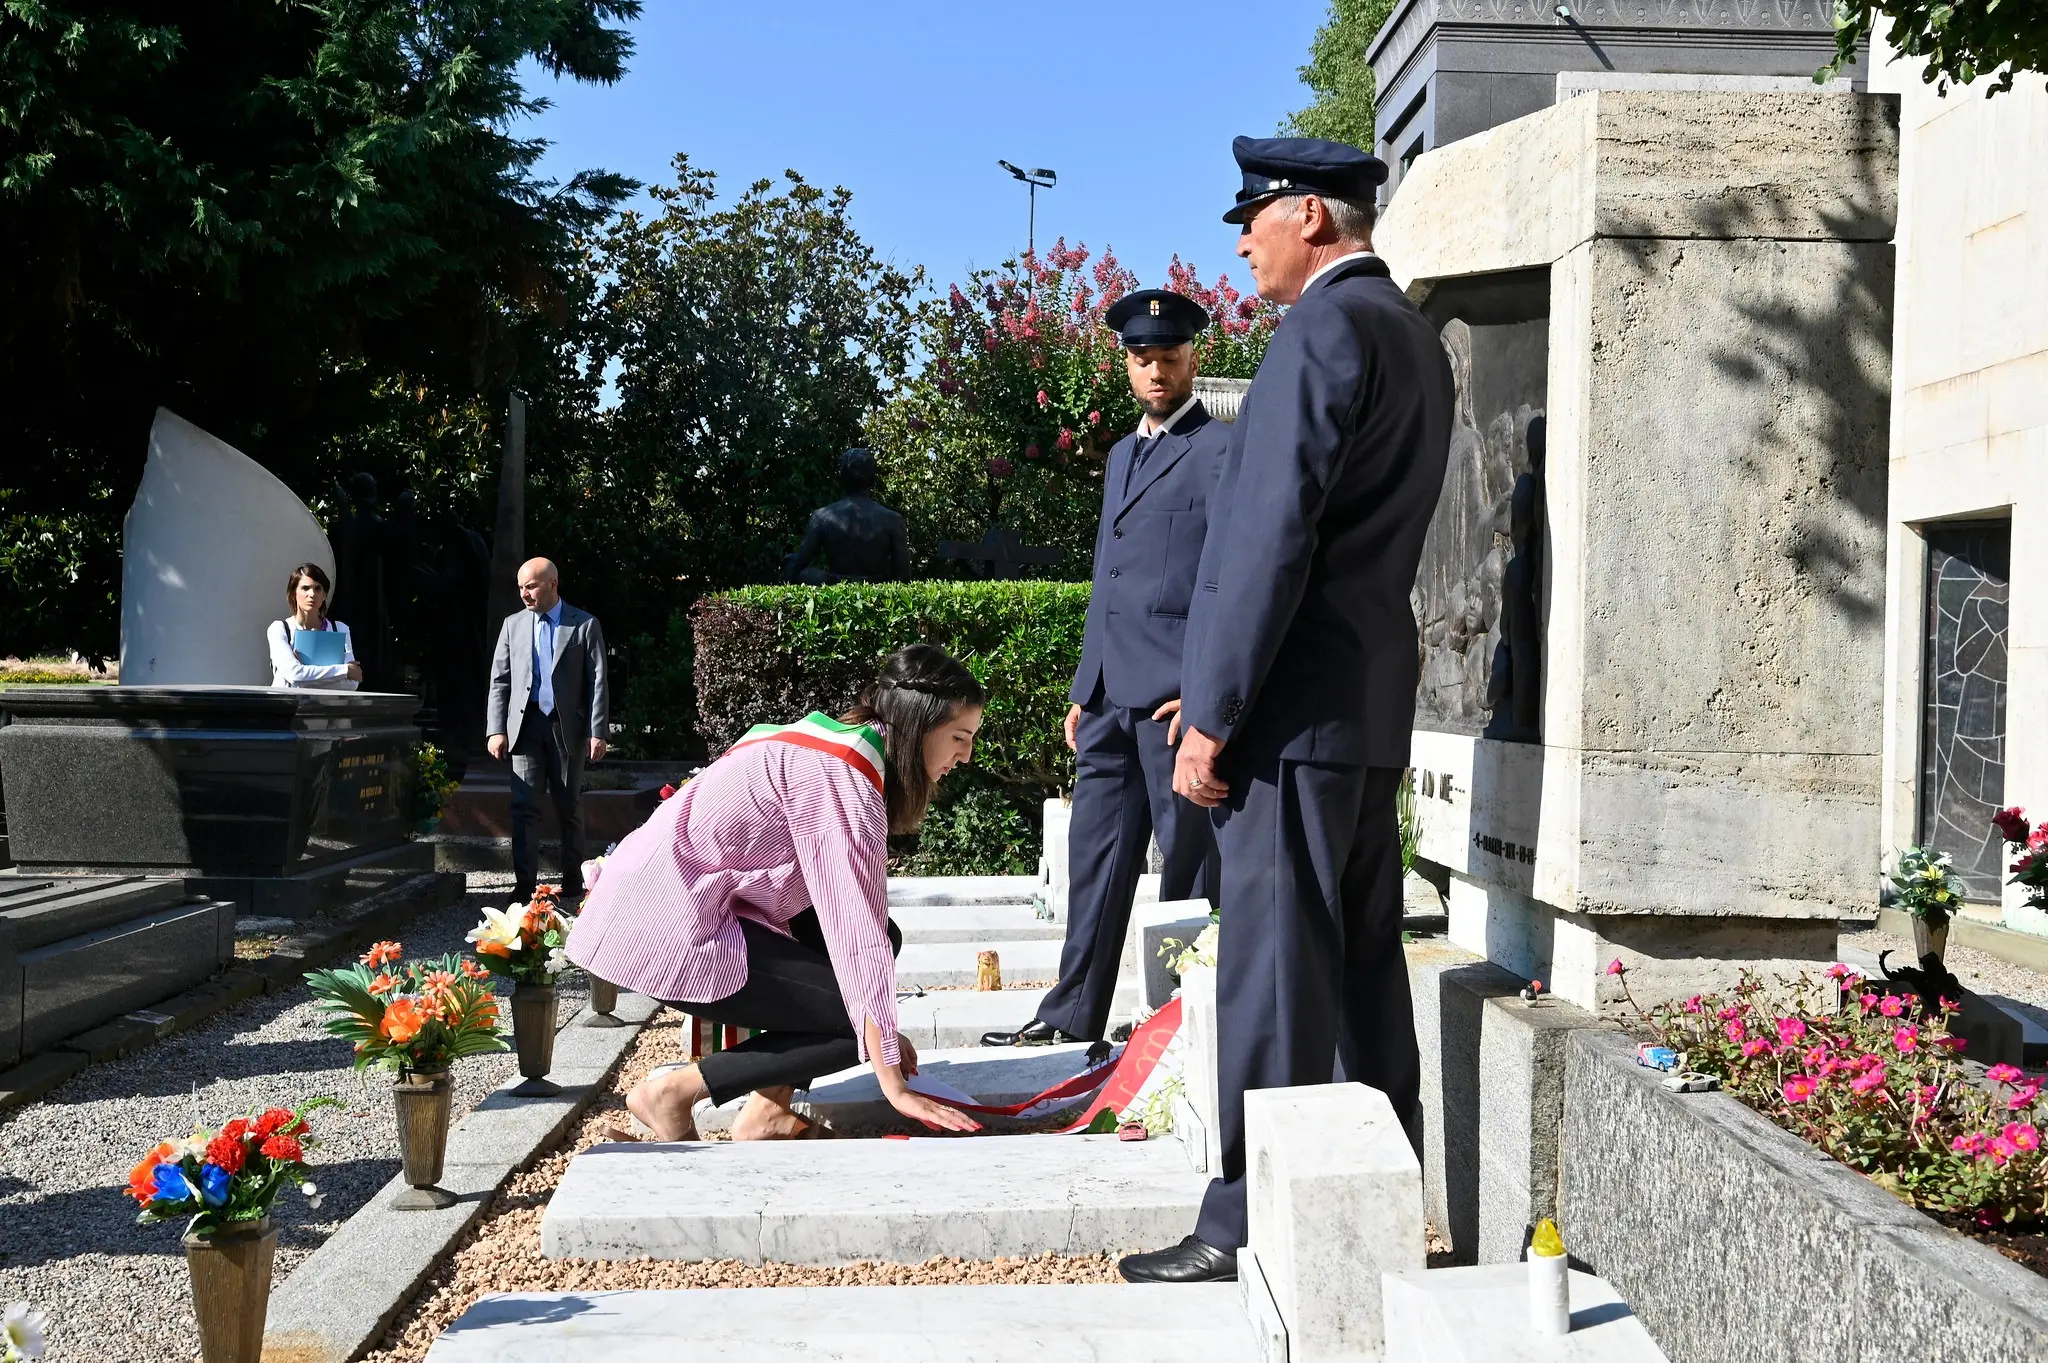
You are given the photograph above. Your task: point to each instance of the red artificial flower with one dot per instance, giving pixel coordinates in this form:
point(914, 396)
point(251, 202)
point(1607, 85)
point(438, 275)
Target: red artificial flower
point(238, 1129)
point(667, 792)
point(2011, 824)
point(283, 1148)
point(275, 1120)
point(226, 1151)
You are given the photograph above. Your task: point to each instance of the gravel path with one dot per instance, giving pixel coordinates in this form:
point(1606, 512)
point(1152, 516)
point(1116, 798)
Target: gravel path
point(1980, 971)
point(117, 1292)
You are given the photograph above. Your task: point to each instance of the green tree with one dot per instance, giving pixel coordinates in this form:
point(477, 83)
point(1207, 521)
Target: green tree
point(1959, 39)
point(1010, 423)
point(292, 222)
point(1337, 71)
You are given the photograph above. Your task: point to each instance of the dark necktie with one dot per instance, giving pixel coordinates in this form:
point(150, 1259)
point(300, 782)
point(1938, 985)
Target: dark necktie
point(1144, 447)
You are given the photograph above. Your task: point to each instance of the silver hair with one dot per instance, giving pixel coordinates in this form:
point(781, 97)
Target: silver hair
point(1352, 219)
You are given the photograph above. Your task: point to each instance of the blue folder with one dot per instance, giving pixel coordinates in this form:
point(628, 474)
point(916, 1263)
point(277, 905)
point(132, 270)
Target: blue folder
point(318, 647)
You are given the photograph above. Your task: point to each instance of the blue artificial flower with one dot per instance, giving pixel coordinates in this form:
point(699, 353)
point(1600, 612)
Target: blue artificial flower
point(213, 1185)
point(171, 1184)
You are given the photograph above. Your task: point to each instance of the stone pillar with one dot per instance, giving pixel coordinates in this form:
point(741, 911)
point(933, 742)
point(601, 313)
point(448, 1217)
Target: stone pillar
point(1334, 1196)
point(1705, 793)
point(508, 541)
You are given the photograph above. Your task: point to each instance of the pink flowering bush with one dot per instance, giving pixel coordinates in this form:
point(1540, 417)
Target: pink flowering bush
point(1885, 1092)
point(1022, 396)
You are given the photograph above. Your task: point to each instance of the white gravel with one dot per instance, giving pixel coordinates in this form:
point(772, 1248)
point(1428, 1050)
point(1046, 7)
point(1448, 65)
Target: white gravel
point(117, 1292)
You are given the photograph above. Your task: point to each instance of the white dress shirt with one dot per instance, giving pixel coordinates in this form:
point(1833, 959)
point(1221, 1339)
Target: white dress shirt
point(286, 669)
point(1349, 255)
point(1147, 427)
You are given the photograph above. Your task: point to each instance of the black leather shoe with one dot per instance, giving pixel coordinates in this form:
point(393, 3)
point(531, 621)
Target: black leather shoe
point(1032, 1033)
point(1190, 1261)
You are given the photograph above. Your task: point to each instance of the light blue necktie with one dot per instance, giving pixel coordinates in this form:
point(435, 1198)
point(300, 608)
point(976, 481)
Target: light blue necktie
point(544, 662)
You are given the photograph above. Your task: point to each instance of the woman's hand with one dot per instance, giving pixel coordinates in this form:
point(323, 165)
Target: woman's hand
point(355, 671)
point(905, 1099)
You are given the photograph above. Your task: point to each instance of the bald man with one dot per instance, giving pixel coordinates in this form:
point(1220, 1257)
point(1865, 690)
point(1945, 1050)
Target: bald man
point(548, 709)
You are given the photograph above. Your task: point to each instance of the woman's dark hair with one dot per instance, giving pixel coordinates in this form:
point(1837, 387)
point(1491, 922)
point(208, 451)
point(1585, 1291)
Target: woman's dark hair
point(291, 585)
point(921, 687)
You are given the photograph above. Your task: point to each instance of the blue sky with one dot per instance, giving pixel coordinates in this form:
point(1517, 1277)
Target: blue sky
point(909, 104)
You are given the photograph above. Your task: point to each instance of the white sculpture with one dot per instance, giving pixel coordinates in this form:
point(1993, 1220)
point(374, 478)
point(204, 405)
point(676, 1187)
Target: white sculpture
point(204, 554)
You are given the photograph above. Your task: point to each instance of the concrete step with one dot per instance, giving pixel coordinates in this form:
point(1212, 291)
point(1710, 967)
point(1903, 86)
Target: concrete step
point(948, 1018)
point(906, 890)
point(838, 1202)
point(852, 1099)
point(1035, 960)
point(1130, 1323)
point(975, 923)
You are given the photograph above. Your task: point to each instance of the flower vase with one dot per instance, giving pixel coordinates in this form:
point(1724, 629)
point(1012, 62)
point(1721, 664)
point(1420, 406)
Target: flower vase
point(1930, 939)
point(533, 1035)
point(230, 1273)
point(604, 1004)
point(422, 1102)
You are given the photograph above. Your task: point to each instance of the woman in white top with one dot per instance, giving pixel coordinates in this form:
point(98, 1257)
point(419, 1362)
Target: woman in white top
point(306, 594)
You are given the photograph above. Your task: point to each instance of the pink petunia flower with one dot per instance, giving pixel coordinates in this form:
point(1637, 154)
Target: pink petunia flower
point(1865, 1001)
point(1735, 1030)
point(2022, 1136)
point(1615, 967)
point(1970, 1143)
point(1790, 1030)
point(1691, 1005)
point(1907, 1039)
point(1799, 1088)
point(2003, 1073)
point(1755, 1047)
point(1870, 1081)
point(2023, 1096)
point(1891, 1005)
point(1815, 1057)
point(1926, 1093)
point(2000, 1150)
point(1727, 1013)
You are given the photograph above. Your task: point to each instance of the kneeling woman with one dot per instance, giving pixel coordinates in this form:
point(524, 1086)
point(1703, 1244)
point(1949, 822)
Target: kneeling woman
point(758, 897)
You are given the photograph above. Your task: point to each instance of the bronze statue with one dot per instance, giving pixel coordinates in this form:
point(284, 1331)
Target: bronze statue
point(861, 540)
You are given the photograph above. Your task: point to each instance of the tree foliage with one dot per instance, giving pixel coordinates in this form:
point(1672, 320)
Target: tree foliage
point(1011, 421)
point(289, 221)
point(1341, 77)
point(1959, 40)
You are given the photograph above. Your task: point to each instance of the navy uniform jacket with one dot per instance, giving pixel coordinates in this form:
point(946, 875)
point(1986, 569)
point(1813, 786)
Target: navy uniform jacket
point(1146, 550)
point(1302, 642)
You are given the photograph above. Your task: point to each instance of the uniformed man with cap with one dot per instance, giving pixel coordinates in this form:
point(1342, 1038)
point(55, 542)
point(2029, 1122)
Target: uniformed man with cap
point(1299, 680)
point(1122, 720)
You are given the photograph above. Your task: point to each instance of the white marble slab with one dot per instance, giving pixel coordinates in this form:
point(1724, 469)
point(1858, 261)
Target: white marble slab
point(994, 1075)
point(955, 964)
point(835, 1202)
point(975, 923)
point(1075, 1323)
point(1481, 1315)
point(904, 890)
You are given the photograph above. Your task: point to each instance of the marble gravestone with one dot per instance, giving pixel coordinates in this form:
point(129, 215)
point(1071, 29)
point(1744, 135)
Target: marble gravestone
point(1707, 278)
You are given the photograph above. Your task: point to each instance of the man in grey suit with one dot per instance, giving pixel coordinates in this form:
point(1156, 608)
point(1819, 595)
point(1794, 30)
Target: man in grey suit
point(548, 709)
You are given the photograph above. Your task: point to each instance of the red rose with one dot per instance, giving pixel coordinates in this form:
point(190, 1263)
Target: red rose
point(2011, 824)
point(227, 1152)
point(284, 1149)
point(238, 1128)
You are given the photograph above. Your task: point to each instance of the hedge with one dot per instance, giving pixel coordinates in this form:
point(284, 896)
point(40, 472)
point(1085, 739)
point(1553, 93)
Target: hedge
point(767, 655)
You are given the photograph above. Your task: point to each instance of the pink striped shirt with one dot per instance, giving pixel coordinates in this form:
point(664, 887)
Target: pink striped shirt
point(764, 833)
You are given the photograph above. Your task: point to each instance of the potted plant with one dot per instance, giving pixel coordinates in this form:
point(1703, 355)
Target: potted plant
point(225, 1181)
point(431, 787)
point(524, 944)
point(2030, 856)
point(416, 1018)
point(1928, 896)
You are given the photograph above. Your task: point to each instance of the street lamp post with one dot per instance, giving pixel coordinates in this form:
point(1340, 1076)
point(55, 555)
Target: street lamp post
point(1037, 179)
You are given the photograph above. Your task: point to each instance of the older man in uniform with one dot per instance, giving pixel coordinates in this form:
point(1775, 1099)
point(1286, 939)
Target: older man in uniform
point(1299, 685)
point(1122, 720)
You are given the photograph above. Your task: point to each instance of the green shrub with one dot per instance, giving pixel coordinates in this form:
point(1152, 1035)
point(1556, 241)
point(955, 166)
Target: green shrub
point(772, 654)
point(976, 827)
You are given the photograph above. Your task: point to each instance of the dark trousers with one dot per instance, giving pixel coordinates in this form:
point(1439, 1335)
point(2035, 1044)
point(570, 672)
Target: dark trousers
point(1123, 793)
point(1311, 983)
point(542, 761)
point(792, 997)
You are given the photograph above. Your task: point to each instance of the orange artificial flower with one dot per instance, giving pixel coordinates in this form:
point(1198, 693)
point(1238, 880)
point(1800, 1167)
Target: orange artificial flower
point(493, 949)
point(486, 1014)
point(473, 970)
point(546, 894)
point(142, 1178)
point(441, 981)
point(382, 985)
point(381, 953)
point(402, 1021)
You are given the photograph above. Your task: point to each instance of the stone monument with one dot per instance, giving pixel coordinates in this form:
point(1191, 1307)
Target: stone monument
point(860, 539)
point(1710, 276)
point(204, 553)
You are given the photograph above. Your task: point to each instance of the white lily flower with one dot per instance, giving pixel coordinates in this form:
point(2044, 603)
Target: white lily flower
point(500, 928)
point(558, 961)
point(25, 1331)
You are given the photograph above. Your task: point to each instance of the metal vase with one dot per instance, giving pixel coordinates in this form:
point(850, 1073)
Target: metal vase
point(533, 1035)
point(230, 1274)
point(604, 1004)
point(422, 1102)
point(1930, 939)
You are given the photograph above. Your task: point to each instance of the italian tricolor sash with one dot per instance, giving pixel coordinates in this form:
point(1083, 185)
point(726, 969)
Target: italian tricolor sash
point(858, 745)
